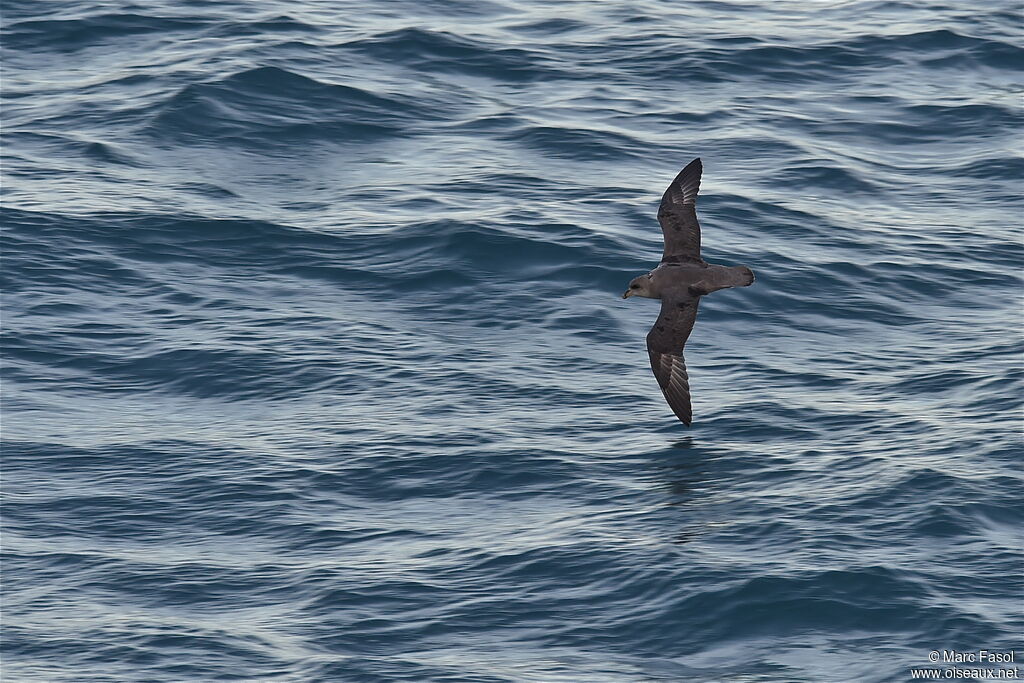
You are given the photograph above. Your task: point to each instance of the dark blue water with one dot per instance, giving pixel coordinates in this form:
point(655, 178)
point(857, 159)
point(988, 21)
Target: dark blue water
point(316, 368)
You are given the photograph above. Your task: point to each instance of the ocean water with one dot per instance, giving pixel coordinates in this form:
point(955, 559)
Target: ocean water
point(316, 367)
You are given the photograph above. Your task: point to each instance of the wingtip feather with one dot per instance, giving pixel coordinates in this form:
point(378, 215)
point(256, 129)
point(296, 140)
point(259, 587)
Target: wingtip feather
point(688, 181)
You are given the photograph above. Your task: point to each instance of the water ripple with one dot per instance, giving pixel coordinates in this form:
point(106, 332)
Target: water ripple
point(316, 367)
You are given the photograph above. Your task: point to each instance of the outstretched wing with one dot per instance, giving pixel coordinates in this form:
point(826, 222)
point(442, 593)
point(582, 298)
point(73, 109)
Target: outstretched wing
point(665, 344)
point(678, 216)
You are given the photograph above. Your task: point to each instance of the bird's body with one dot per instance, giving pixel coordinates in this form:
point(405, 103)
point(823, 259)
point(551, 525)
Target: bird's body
point(673, 279)
point(680, 281)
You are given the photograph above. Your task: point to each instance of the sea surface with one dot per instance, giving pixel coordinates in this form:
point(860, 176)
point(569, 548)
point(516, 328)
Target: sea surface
point(316, 366)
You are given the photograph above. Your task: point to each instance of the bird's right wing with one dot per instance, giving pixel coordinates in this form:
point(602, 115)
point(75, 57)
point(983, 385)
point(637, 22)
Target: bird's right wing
point(678, 216)
point(665, 344)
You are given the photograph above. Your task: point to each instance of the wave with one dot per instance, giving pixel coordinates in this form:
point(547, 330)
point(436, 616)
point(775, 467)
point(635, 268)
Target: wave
point(271, 248)
point(33, 145)
point(69, 35)
point(444, 52)
point(267, 104)
point(658, 55)
point(576, 143)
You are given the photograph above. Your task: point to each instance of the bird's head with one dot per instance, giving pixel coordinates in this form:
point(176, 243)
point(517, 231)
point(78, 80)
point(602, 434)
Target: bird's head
point(639, 286)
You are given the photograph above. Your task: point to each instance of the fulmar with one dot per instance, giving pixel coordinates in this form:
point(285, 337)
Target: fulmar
point(680, 280)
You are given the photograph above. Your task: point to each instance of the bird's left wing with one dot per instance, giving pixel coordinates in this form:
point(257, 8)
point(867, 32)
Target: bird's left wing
point(678, 216)
point(665, 344)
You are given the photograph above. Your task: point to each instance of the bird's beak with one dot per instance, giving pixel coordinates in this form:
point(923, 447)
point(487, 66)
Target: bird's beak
point(628, 293)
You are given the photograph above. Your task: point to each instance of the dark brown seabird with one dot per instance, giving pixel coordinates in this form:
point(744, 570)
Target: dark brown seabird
point(681, 279)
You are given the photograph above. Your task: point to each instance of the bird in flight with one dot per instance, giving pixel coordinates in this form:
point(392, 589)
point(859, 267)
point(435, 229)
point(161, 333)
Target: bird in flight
point(680, 280)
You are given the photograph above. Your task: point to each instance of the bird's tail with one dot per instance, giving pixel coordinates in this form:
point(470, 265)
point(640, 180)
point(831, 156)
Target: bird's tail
point(744, 276)
point(723, 277)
